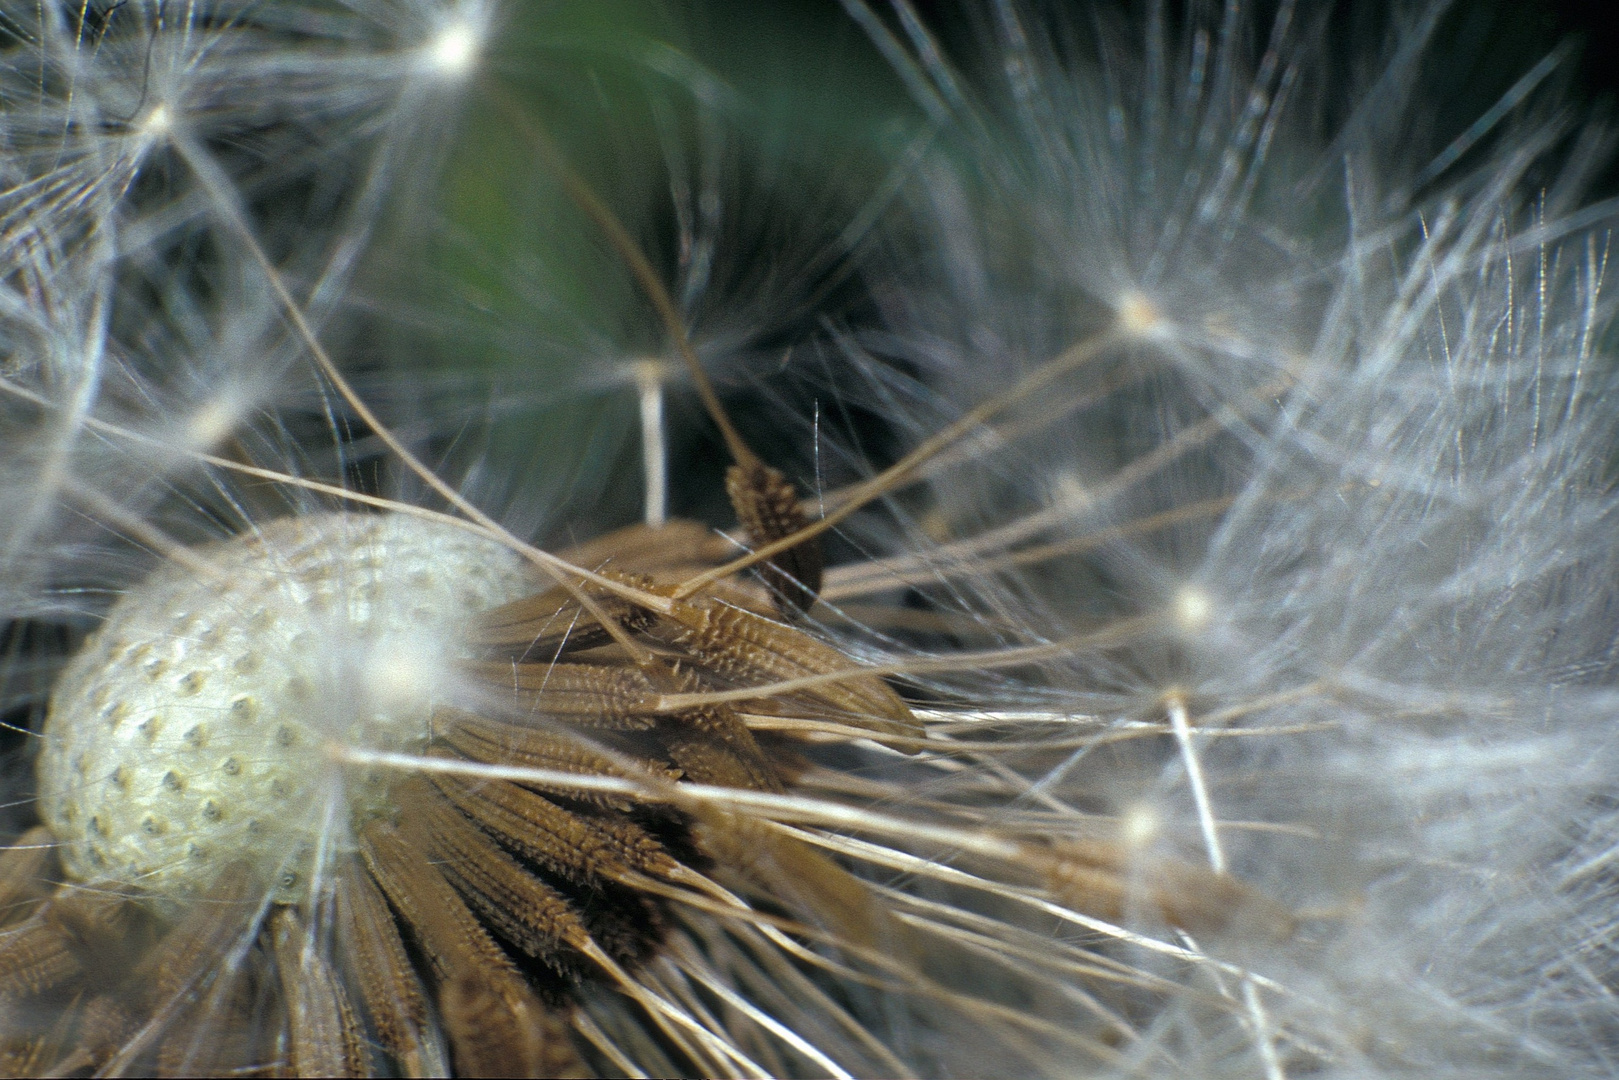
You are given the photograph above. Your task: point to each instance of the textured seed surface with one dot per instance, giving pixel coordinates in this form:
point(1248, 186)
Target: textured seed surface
point(191, 730)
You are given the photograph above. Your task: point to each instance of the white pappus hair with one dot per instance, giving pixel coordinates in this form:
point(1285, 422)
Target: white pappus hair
point(1359, 445)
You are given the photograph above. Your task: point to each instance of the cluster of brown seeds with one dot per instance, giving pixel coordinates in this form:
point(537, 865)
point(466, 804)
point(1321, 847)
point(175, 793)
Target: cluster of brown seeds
point(487, 897)
point(450, 913)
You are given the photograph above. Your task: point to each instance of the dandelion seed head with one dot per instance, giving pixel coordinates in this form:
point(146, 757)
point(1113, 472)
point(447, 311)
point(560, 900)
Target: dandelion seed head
point(1353, 786)
point(189, 732)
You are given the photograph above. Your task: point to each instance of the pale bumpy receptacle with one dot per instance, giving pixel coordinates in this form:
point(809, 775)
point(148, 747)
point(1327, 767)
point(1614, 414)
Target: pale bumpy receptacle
point(194, 729)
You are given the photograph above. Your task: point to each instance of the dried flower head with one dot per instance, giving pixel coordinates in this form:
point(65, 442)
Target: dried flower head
point(1177, 640)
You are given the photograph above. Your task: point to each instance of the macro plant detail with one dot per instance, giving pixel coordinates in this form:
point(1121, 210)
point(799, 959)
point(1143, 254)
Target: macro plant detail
point(1122, 583)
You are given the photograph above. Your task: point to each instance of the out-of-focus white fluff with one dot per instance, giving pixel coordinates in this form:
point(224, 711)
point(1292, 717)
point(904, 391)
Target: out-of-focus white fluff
point(126, 294)
point(1390, 374)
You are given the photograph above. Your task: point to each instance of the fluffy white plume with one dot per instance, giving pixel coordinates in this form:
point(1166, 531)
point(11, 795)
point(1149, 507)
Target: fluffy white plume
point(1346, 445)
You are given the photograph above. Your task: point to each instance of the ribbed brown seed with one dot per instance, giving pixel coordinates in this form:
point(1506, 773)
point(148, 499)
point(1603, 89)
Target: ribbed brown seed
point(191, 1005)
point(553, 623)
point(526, 910)
point(522, 909)
point(792, 870)
point(24, 868)
point(20, 1055)
point(62, 937)
point(503, 742)
point(668, 554)
point(447, 931)
point(70, 1060)
point(768, 508)
point(191, 951)
point(496, 1025)
point(591, 695)
point(738, 592)
point(35, 956)
point(743, 648)
point(393, 995)
point(24, 1049)
point(712, 745)
point(1105, 880)
point(492, 1040)
point(100, 919)
point(228, 1023)
point(214, 1037)
point(650, 548)
point(323, 1031)
point(577, 848)
point(630, 836)
point(103, 1026)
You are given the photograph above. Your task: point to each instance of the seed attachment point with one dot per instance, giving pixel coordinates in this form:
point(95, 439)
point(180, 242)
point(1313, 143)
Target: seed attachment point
point(452, 50)
point(1193, 609)
point(1139, 316)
